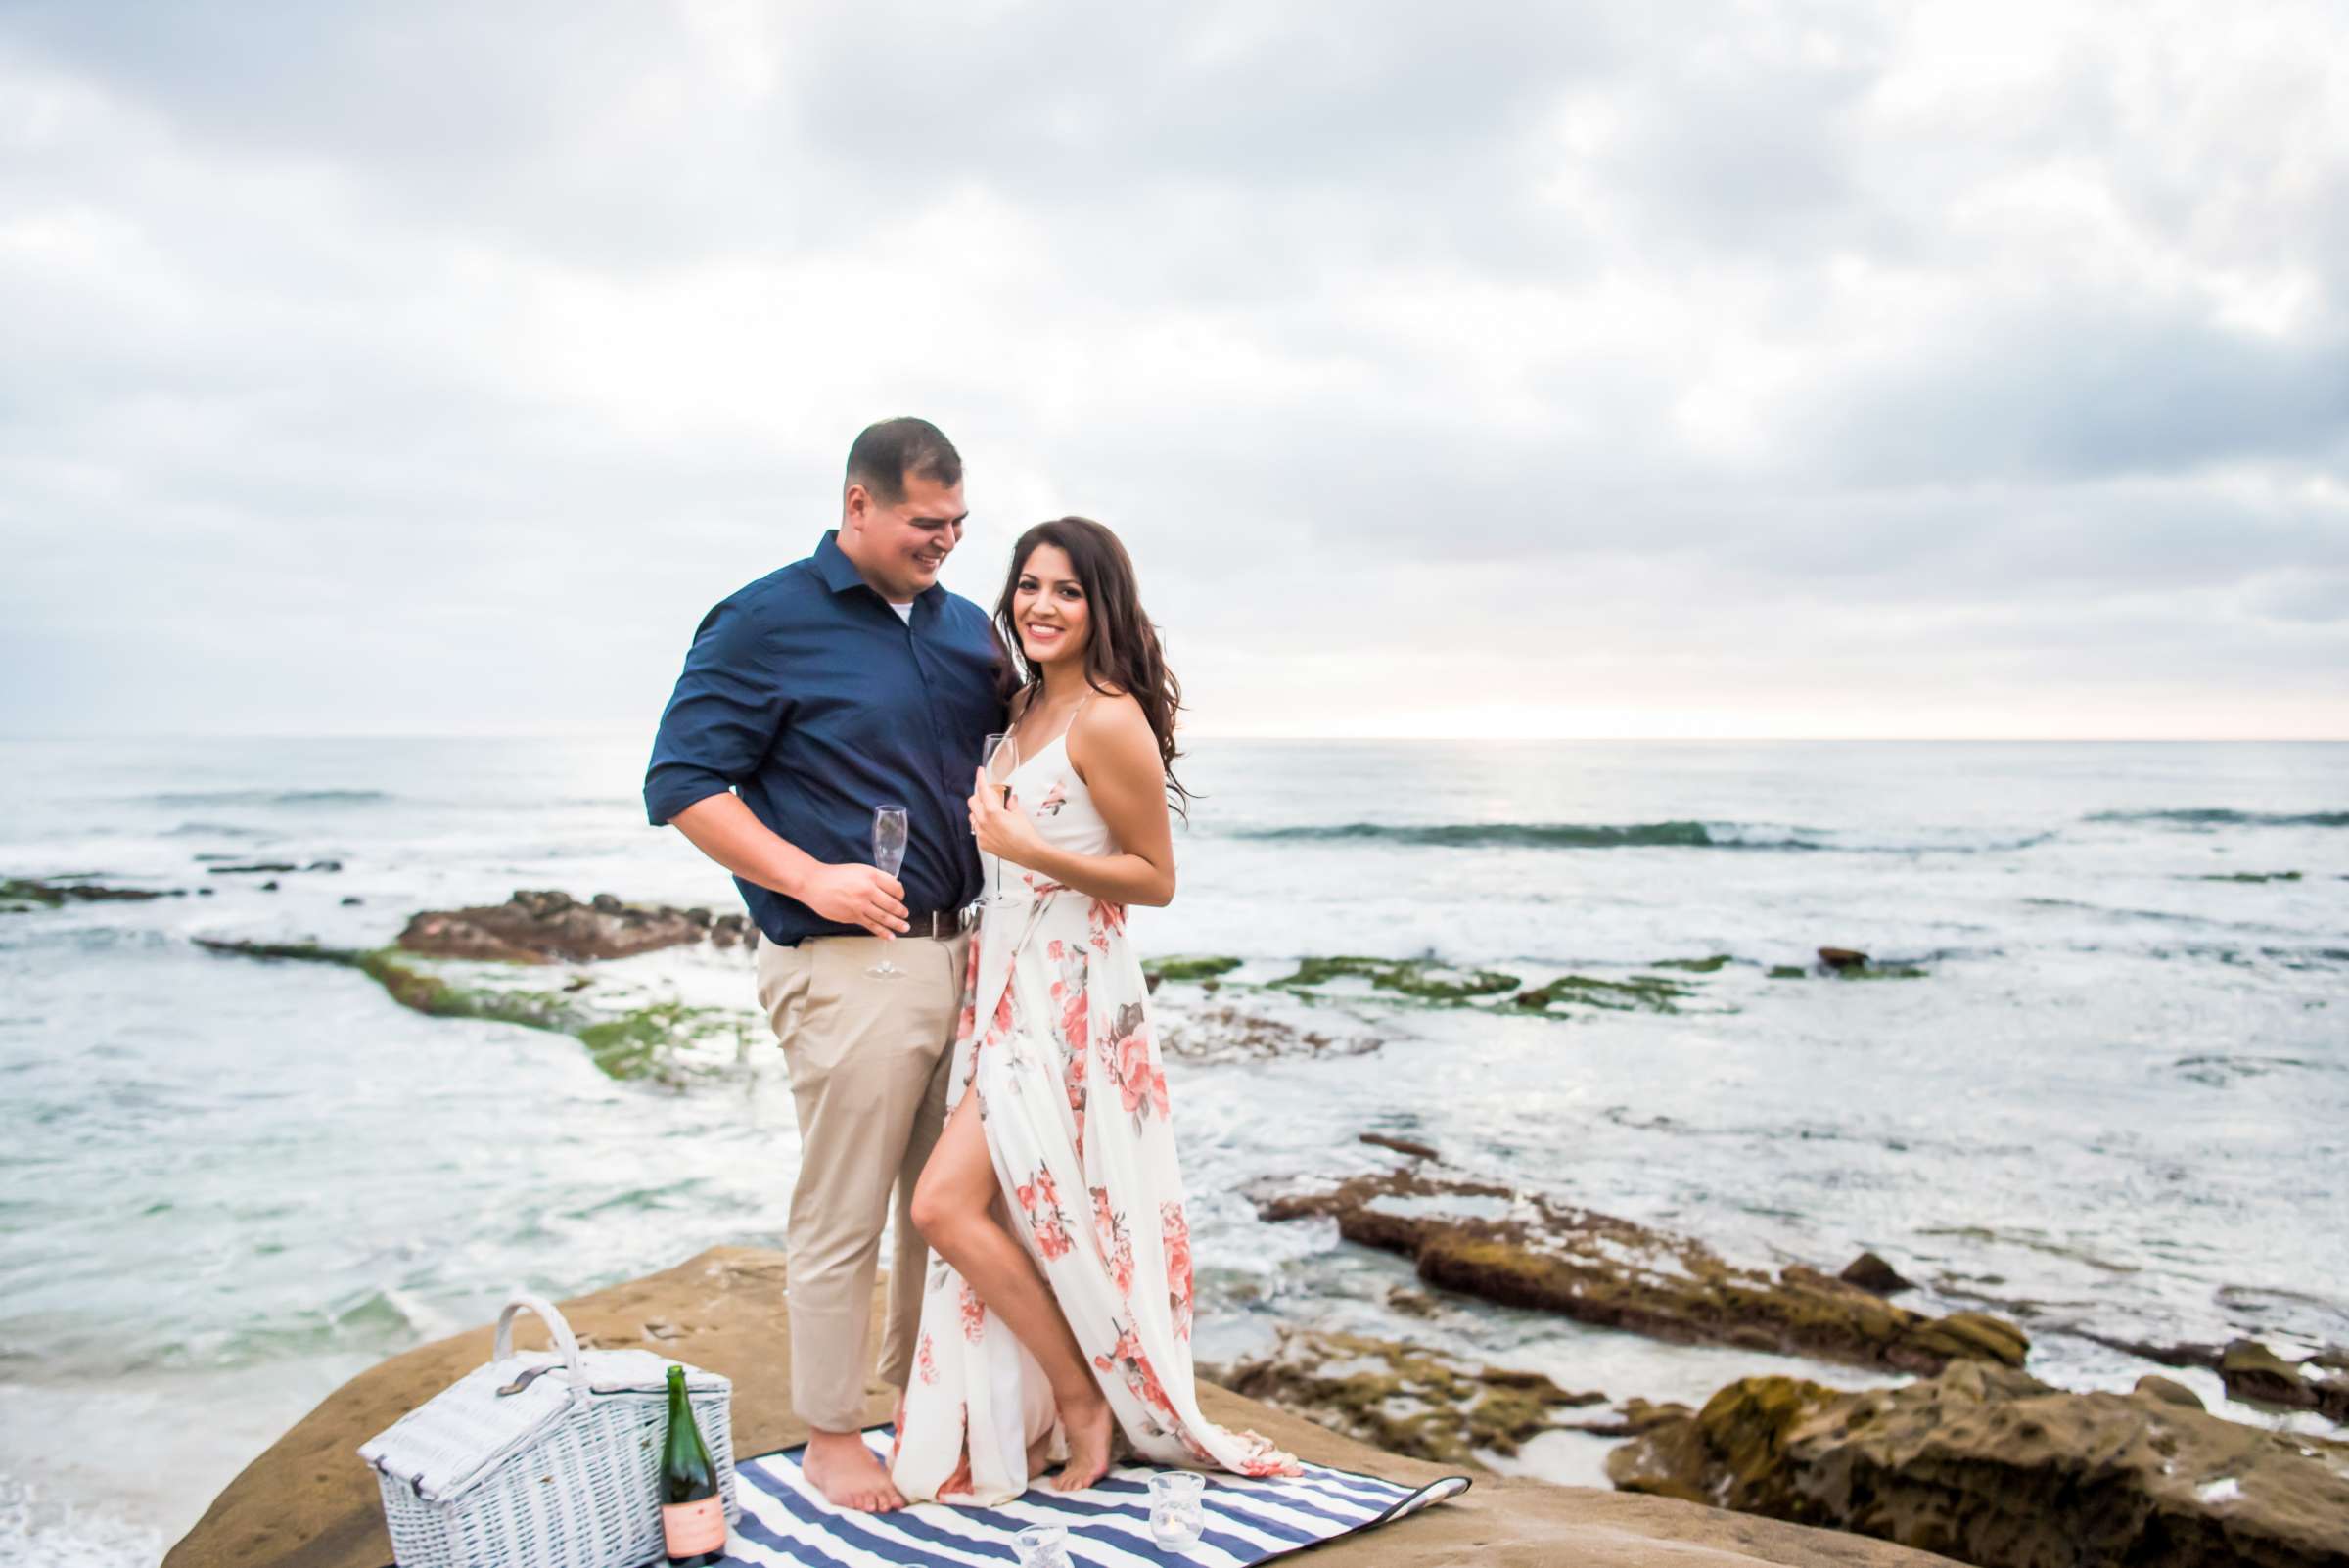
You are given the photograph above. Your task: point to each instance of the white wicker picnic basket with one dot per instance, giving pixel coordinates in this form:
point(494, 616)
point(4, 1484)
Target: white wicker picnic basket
point(545, 1460)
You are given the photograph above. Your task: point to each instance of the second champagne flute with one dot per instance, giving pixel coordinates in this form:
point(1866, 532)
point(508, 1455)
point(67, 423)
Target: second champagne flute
point(889, 853)
point(1001, 755)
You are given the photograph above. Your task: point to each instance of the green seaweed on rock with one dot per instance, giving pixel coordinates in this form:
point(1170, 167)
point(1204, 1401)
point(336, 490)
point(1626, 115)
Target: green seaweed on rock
point(1189, 968)
point(641, 1043)
point(1641, 994)
point(17, 894)
point(1422, 979)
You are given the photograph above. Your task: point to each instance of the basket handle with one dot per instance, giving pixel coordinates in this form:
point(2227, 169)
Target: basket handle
point(557, 1330)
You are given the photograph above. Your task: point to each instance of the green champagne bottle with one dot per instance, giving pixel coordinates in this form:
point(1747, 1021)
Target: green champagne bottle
point(693, 1513)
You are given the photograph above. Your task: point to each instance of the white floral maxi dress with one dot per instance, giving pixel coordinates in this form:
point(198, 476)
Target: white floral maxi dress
point(1074, 1101)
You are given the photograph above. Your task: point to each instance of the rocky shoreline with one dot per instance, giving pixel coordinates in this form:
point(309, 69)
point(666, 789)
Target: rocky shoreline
point(1976, 1459)
point(307, 1501)
point(549, 926)
point(1522, 1248)
point(1910, 1464)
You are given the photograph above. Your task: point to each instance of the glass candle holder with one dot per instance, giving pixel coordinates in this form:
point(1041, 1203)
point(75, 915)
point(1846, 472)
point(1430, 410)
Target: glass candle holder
point(1042, 1546)
point(1177, 1508)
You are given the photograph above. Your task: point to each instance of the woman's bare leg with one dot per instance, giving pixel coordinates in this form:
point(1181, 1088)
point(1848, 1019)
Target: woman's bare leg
point(950, 1208)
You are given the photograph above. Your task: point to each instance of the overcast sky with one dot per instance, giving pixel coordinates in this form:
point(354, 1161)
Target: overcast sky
point(1614, 369)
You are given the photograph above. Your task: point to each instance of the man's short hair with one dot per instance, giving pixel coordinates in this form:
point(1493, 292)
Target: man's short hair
point(884, 455)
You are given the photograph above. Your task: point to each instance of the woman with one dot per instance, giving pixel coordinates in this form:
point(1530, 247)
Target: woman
point(1058, 1301)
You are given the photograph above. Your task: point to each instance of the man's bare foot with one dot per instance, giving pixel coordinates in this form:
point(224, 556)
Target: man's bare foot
point(1089, 1430)
point(839, 1466)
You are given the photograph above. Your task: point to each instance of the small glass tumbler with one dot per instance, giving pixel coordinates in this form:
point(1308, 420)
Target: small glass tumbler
point(1042, 1546)
point(1177, 1510)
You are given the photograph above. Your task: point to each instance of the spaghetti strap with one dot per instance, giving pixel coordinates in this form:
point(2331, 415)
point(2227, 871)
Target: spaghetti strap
point(1062, 735)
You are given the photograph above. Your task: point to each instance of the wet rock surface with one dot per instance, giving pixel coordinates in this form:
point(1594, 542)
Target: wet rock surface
point(2257, 1376)
point(1401, 1398)
point(1873, 1274)
point(268, 867)
point(1988, 1465)
point(1410, 1146)
point(1526, 1249)
point(550, 926)
point(1221, 1033)
point(19, 894)
point(2250, 1371)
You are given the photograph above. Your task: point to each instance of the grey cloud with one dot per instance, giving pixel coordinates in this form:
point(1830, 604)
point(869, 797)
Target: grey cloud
point(1309, 300)
point(2072, 389)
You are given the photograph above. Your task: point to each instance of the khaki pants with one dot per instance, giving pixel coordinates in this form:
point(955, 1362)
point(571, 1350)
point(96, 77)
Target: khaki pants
point(869, 1060)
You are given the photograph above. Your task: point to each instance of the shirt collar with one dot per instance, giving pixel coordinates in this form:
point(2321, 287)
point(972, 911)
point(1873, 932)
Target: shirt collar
point(840, 573)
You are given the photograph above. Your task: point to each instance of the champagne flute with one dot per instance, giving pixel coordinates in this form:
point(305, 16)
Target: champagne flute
point(889, 853)
point(1004, 751)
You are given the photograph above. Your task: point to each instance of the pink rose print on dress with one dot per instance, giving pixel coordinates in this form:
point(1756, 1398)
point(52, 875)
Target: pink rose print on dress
point(1175, 1232)
point(1000, 1027)
point(1128, 1359)
point(970, 997)
point(1116, 1246)
point(1106, 920)
point(924, 1365)
point(1069, 991)
point(1047, 1222)
point(1262, 1459)
point(974, 1313)
point(959, 1485)
point(1142, 1082)
point(1054, 799)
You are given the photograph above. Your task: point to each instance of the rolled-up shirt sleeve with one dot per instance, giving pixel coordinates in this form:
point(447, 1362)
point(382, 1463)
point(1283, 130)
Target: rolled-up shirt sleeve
point(722, 717)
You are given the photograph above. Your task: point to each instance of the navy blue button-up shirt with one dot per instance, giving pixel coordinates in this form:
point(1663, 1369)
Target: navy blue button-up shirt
point(807, 693)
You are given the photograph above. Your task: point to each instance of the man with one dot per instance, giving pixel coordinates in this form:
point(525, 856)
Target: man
point(841, 682)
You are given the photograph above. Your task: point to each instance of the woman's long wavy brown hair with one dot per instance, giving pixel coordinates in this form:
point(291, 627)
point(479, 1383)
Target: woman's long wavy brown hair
point(1121, 650)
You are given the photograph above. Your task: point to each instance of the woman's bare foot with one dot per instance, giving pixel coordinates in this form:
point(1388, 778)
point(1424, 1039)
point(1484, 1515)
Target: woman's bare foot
point(1040, 1455)
point(1089, 1428)
point(839, 1466)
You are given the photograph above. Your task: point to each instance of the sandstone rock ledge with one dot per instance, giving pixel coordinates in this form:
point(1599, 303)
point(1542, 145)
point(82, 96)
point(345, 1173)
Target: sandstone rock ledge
point(308, 1502)
point(1522, 1248)
point(1989, 1464)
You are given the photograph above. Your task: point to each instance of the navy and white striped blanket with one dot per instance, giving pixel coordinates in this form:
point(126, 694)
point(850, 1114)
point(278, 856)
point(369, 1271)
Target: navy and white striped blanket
point(785, 1520)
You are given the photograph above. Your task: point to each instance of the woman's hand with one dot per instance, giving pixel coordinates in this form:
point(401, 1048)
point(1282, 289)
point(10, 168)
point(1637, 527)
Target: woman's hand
point(1002, 832)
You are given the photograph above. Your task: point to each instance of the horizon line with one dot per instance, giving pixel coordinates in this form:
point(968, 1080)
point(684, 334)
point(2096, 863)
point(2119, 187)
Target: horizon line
point(1296, 739)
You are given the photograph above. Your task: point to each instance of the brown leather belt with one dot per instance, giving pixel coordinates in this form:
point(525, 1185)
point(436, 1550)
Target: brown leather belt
point(936, 925)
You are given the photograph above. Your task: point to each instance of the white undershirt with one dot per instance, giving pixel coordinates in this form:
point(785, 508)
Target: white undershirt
point(905, 611)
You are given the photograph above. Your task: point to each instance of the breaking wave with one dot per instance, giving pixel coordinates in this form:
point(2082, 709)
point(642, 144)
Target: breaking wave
point(1543, 835)
point(2221, 817)
point(268, 797)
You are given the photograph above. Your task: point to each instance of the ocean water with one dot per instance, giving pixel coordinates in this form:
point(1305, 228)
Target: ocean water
point(2116, 1099)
